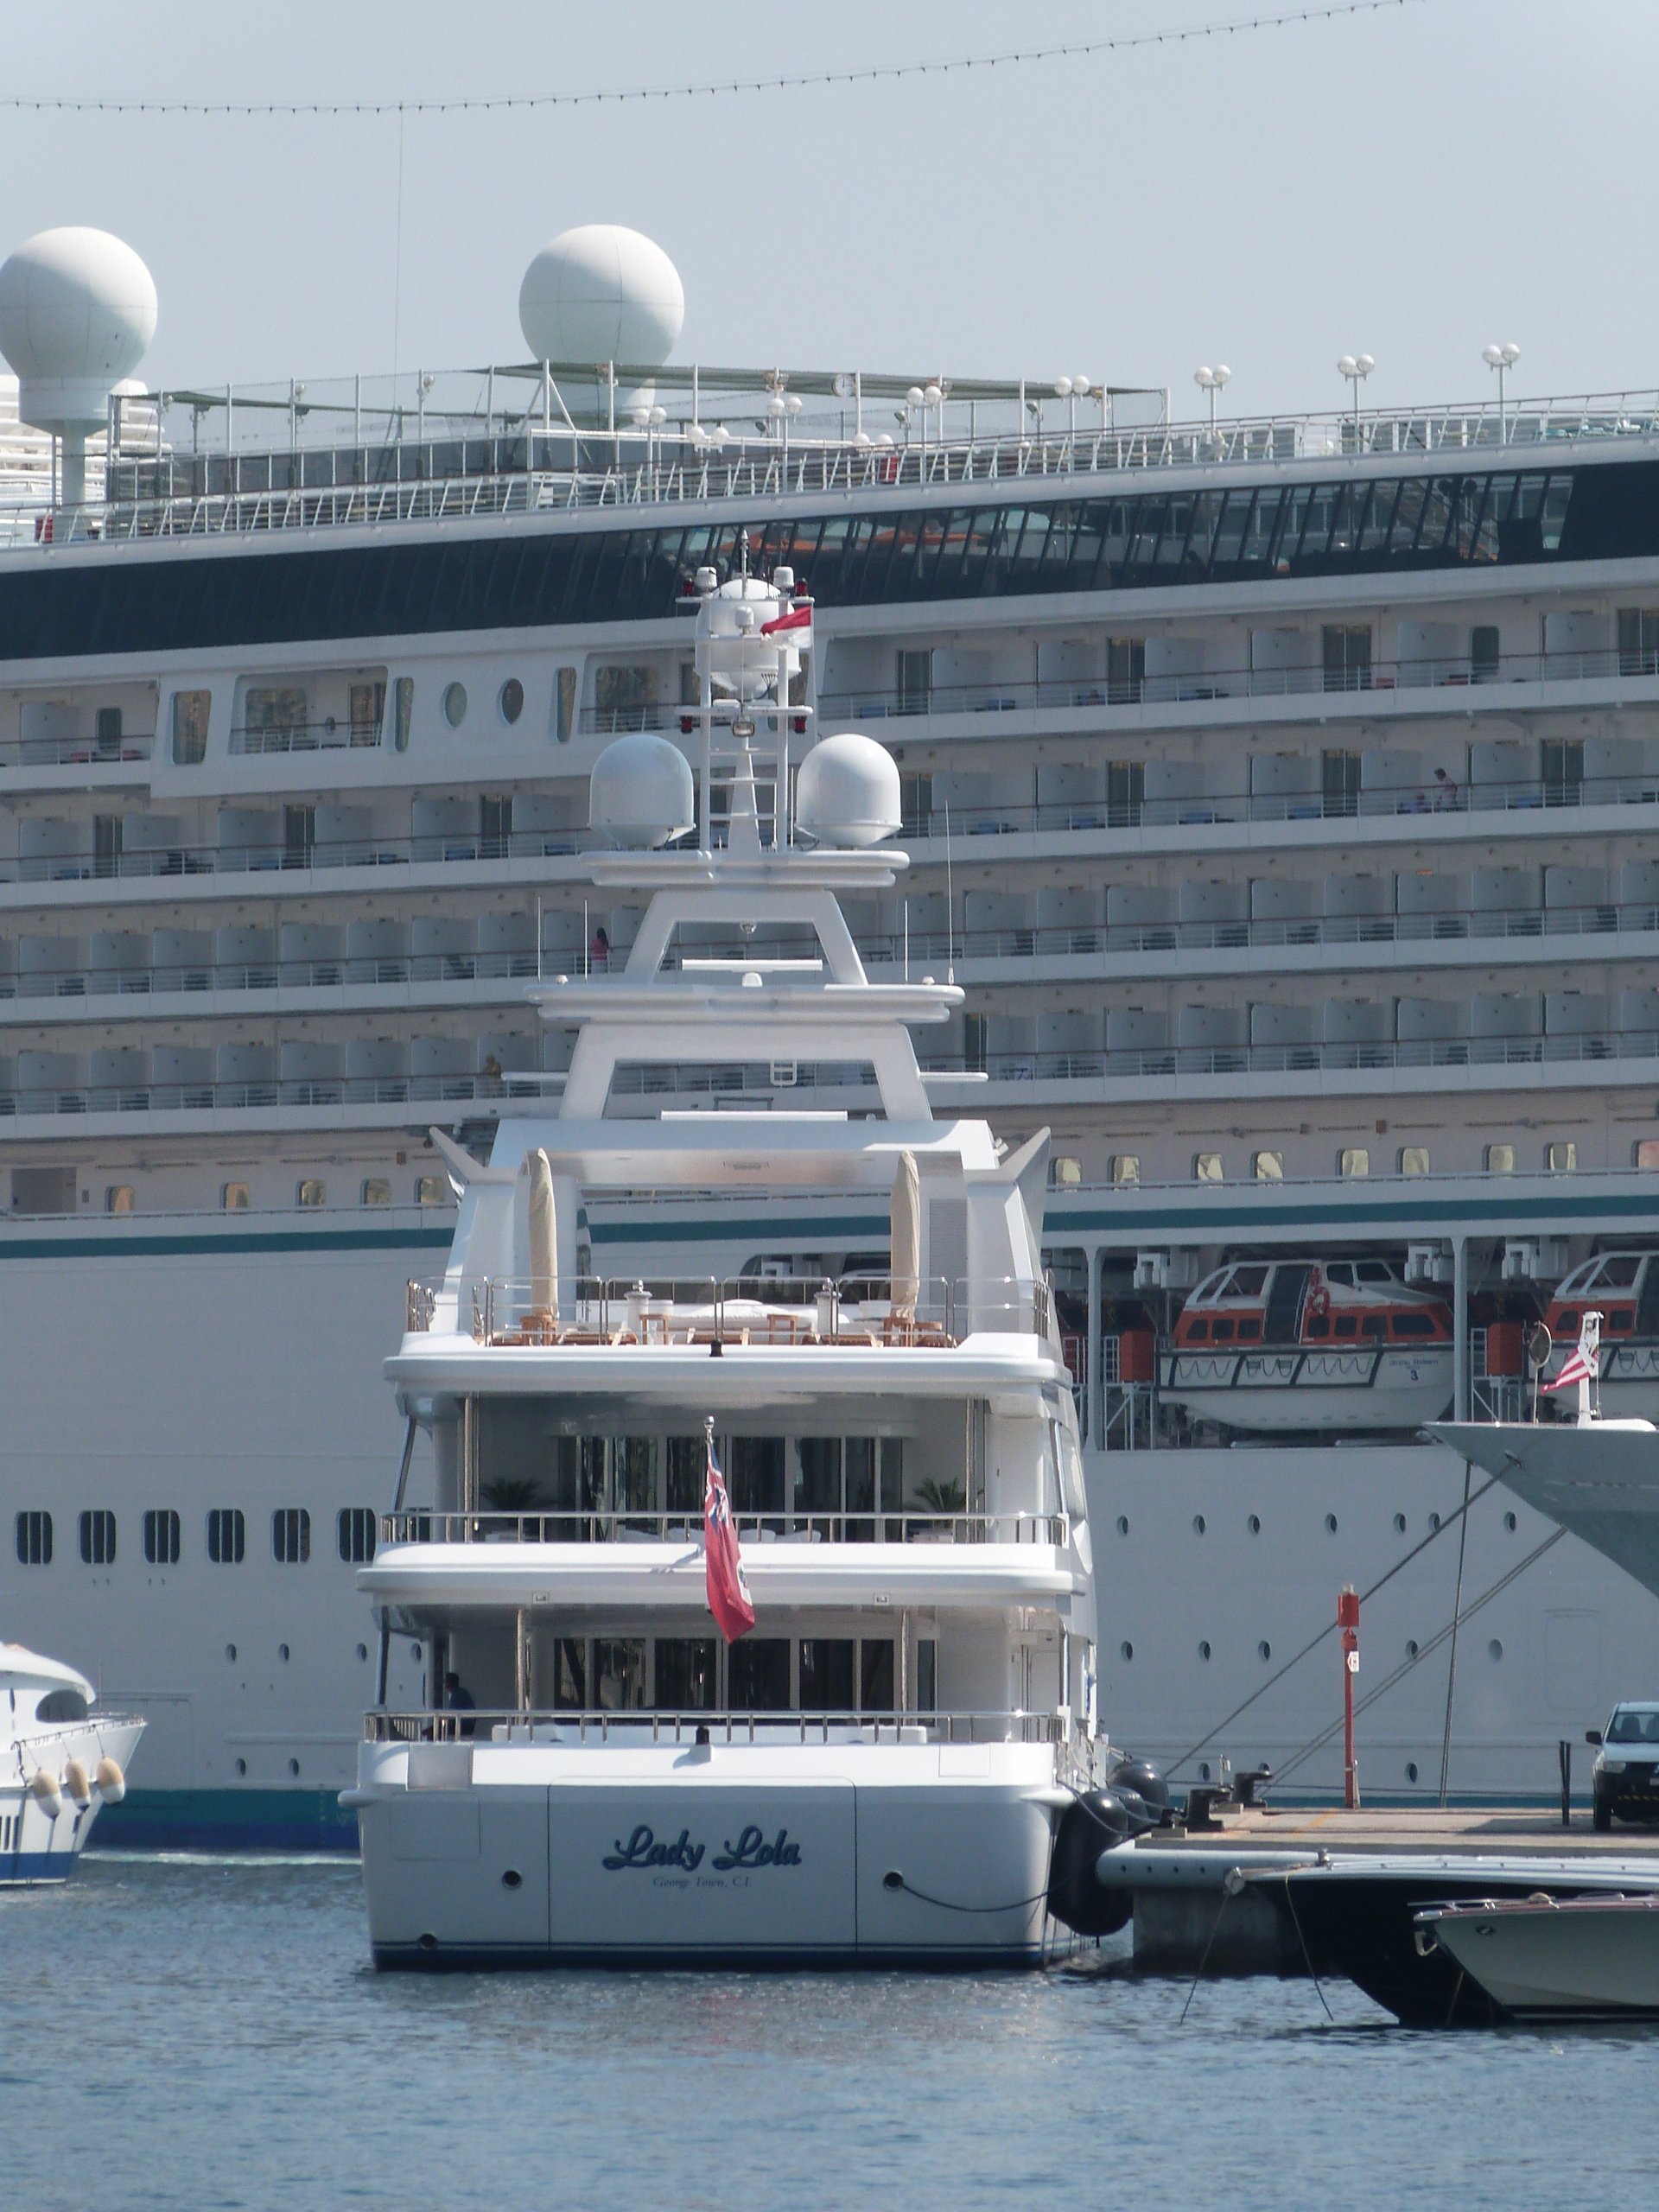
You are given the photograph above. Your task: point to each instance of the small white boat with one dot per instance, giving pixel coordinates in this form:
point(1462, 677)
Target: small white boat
point(1544, 1958)
point(60, 1762)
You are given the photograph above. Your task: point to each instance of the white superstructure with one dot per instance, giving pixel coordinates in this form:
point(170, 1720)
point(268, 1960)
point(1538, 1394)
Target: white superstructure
point(876, 1769)
point(61, 1762)
point(1280, 795)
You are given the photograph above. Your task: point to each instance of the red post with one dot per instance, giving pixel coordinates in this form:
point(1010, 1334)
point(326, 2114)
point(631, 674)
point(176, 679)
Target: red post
point(1348, 1622)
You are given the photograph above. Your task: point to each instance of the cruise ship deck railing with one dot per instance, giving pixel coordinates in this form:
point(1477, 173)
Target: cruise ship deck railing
point(634, 1726)
point(549, 1525)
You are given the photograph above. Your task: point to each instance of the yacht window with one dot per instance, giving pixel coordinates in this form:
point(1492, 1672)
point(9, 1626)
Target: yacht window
point(313, 1192)
point(1316, 1325)
point(1248, 1282)
point(233, 1197)
point(1268, 1167)
point(1413, 1160)
point(290, 1535)
point(454, 704)
point(1374, 1324)
point(511, 700)
point(160, 1536)
point(1561, 1158)
point(34, 1539)
point(1340, 1272)
point(1373, 1271)
point(61, 1705)
point(686, 1674)
point(117, 1198)
point(1353, 1160)
point(755, 1474)
point(1646, 1155)
point(927, 1674)
point(1126, 1167)
point(190, 727)
point(1065, 1173)
point(624, 697)
point(97, 1537)
point(826, 1673)
point(402, 712)
point(757, 1674)
point(685, 1468)
point(354, 1533)
point(570, 1675)
point(274, 715)
point(432, 1190)
point(1347, 1325)
point(1500, 1159)
point(619, 1673)
point(564, 705)
point(1206, 1167)
point(376, 1191)
point(875, 1676)
point(227, 1536)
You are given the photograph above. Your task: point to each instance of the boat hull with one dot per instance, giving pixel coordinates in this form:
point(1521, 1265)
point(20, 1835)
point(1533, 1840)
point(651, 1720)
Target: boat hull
point(766, 1857)
point(1578, 1961)
point(36, 1848)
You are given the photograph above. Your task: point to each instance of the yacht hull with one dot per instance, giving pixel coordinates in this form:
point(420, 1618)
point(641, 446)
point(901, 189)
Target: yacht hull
point(36, 1847)
point(1584, 1960)
point(708, 1858)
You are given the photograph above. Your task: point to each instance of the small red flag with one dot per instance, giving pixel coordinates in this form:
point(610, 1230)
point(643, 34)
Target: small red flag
point(728, 1586)
point(800, 619)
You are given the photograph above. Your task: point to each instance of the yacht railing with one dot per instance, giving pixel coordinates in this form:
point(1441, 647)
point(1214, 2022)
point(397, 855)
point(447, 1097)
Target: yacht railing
point(538, 1525)
point(632, 1727)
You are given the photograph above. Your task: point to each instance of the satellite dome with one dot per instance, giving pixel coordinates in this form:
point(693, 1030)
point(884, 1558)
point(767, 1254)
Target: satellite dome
point(640, 793)
point(77, 311)
point(601, 293)
point(847, 792)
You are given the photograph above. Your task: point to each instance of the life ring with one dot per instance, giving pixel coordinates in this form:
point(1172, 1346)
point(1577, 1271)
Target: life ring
point(1319, 1302)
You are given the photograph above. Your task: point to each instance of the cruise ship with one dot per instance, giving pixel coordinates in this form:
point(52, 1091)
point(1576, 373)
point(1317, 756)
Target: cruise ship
point(1280, 793)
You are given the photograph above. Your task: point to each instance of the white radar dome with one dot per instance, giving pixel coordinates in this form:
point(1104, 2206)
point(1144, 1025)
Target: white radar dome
point(640, 793)
point(601, 293)
point(847, 792)
point(77, 312)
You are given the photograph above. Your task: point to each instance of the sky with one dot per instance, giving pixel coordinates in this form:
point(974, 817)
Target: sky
point(1412, 184)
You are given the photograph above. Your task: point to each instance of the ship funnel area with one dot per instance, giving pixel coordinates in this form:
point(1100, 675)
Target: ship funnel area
point(738, 850)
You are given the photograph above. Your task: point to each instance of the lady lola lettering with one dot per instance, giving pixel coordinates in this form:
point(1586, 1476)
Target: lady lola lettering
point(642, 1849)
point(751, 1849)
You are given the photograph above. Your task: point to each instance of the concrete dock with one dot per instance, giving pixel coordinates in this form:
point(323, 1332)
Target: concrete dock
point(1184, 1916)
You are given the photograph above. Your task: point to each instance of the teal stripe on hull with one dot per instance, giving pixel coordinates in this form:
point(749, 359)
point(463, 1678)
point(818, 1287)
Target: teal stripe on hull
point(227, 1820)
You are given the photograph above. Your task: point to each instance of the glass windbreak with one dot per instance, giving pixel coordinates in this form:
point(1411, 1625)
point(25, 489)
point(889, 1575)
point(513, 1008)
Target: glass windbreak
point(831, 1673)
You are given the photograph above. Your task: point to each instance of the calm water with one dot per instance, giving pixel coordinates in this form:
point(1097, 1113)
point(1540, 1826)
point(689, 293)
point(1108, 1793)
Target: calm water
point(186, 2034)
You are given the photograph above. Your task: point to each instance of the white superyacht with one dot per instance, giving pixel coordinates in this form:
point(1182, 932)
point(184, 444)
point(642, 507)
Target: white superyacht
point(869, 1758)
point(1280, 792)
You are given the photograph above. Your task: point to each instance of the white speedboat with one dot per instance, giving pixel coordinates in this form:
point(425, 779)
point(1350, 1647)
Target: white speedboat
point(61, 1761)
point(1545, 1958)
point(870, 1759)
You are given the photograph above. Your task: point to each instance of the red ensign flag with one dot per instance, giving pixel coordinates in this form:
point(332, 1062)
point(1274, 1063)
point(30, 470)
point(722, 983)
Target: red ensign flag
point(800, 619)
point(728, 1591)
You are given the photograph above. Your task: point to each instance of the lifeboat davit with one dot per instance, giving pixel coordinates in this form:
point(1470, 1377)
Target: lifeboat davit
point(1623, 1288)
point(1275, 1347)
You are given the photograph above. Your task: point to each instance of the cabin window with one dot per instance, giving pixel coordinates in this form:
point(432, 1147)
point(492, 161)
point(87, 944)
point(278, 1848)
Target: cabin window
point(624, 697)
point(1374, 1326)
point(454, 704)
point(1340, 1272)
point(1373, 1271)
point(1413, 1160)
point(118, 1198)
point(1619, 1271)
point(1646, 1155)
point(1268, 1167)
point(756, 1474)
point(226, 1536)
point(827, 1665)
point(354, 1533)
point(1353, 1160)
point(619, 1673)
point(190, 711)
point(1620, 1321)
point(34, 1539)
point(1500, 1159)
point(1561, 1158)
point(1065, 1173)
point(510, 701)
point(915, 679)
point(1206, 1167)
point(275, 714)
point(402, 712)
point(312, 1191)
point(757, 1671)
point(686, 1676)
point(61, 1705)
point(1197, 1332)
point(233, 1197)
point(290, 1535)
point(432, 1190)
point(1126, 1167)
point(1126, 670)
point(564, 705)
point(1347, 1325)
point(1223, 1331)
point(1249, 1330)
point(1413, 1325)
point(1486, 653)
point(1248, 1282)
point(160, 1536)
point(1315, 1326)
point(875, 1676)
point(376, 1191)
point(97, 1537)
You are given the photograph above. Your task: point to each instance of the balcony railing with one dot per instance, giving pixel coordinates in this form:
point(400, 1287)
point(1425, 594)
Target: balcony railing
point(76, 752)
point(332, 732)
point(444, 847)
point(631, 1728)
point(621, 1525)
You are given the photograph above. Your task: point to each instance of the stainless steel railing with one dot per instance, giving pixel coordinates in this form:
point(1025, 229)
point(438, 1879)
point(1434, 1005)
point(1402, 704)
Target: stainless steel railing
point(635, 1726)
point(621, 1525)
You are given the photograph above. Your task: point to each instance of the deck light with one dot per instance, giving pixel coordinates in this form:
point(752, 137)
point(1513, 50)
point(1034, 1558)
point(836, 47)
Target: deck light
point(1212, 381)
point(1355, 367)
point(1502, 359)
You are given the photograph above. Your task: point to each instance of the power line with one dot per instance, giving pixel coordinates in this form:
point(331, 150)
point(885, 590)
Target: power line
point(884, 73)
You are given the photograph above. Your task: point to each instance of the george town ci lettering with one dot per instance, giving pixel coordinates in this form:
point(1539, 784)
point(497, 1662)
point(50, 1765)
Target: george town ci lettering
point(753, 1849)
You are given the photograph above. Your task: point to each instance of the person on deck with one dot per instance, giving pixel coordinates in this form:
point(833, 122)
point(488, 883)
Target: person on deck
point(457, 1698)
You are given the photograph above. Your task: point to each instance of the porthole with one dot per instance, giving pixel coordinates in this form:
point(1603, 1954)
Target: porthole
point(1411, 1770)
point(1510, 1523)
point(1198, 1524)
point(1126, 1650)
point(415, 1653)
point(241, 1767)
point(1399, 1524)
point(1434, 1520)
point(1494, 1649)
point(229, 1653)
point(512, 1879)
point(293, 1766)
point(1411, 1647)
point(1264, 1649)
point(1256, 1524)
point(1203, 1770)
point(511, 700)
point(1331, 1524)
point(1203, 1651)
point(1123, 1524)
point(362, 1654)
point(454, 704)
point(281, 1653)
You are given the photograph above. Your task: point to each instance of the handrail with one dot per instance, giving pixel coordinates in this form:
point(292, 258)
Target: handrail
point(617, 1525)
point(632, 1726)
